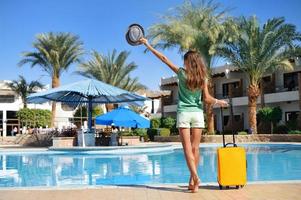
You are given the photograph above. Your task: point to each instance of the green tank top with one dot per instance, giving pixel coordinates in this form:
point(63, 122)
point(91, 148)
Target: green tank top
point(189, 101)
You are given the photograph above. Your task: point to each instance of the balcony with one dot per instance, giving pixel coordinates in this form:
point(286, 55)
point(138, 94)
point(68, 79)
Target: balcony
point(170, 108)
point(281, 94)
point(169, 81)
point(233, 89)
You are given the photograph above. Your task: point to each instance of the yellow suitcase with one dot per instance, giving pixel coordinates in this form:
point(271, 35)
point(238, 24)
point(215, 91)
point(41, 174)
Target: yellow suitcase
point(231, 165)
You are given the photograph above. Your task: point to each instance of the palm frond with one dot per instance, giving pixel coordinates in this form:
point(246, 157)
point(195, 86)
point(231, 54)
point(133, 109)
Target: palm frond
point(54, 52)
point(258, 50)
point(112, 69)
point(201, 26)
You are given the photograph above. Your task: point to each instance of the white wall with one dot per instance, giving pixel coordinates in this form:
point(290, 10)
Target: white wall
point(62, 117)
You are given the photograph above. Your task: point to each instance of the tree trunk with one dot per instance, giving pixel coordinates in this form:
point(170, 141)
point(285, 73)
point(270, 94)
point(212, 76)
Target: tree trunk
point(253, 93)
point(209, 111)
point(55, 83)
point(262, 102)
point(24, 103)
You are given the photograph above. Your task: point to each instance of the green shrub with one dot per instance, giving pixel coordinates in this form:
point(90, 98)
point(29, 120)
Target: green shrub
point(168, 122)
point(242, 133)
point(82, 111)
point(155, 123)
point(145, 138)
point(151, 132)
point(294, 132)
point(270, 116)
point(165, 132)
point(34, 117)
point(174, 131)
point(292, 124)
point(140, 132)
point(281, 129)
point(126, 133)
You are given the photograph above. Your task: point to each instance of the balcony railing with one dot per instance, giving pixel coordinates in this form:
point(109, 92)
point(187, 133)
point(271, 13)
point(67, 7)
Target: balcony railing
point(267, 90)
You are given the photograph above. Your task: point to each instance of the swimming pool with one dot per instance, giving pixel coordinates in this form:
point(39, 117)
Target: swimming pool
point(266, 162)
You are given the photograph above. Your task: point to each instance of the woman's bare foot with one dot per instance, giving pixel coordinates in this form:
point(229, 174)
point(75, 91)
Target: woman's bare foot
point(196, 184)
point(191, 185)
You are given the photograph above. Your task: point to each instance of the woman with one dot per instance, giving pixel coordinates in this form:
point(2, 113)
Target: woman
point(190, 115)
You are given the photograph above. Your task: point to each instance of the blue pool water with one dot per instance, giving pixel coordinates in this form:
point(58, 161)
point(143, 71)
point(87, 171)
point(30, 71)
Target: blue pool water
point(271, 162)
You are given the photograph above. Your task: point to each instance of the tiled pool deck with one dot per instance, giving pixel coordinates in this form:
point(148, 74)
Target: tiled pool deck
point(288, 191)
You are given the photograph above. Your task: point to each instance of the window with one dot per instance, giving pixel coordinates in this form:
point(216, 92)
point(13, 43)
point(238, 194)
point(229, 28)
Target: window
point(226, 88)
point(7, 98)
point(226, 119)
point(11, 115)
point(293, 115)
point(267, 79)
point(268, 85)
point(290, 80)
point(237, 118)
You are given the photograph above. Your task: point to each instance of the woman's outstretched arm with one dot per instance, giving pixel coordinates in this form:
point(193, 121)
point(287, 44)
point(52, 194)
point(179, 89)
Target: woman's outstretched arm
point(159, 55)
point(211, 100)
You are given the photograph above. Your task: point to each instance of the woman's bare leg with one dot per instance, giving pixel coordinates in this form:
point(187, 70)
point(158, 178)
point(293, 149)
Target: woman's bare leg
point(195, 143)
point(189, 155)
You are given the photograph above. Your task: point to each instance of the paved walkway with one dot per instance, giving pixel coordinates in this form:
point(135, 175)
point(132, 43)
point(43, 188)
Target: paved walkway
point(257, 192)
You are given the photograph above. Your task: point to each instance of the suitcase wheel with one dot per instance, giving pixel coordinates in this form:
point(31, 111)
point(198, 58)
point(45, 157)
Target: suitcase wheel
point(237, 187)
point(220, 187)
point(227, 187)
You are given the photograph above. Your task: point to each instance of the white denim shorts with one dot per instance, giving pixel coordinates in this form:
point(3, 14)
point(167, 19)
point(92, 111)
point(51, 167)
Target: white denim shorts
point(190, 120)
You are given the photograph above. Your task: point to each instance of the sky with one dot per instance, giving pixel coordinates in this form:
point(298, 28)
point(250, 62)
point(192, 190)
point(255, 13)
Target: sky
point(101, 26)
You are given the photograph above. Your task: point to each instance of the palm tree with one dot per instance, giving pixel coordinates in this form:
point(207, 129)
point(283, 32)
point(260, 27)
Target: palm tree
point(112, 69)
point(201, 27)
point(139, 110)
point(23, 89)
point(258, 51)
point(54, 53)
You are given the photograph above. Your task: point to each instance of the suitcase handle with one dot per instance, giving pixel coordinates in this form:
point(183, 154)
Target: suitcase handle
point(234, 145)
point(231, 113)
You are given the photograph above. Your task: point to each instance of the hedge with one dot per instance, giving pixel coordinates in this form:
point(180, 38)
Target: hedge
point(151, 133)
point(155, 122)
point(165, 132)
point(34, 117)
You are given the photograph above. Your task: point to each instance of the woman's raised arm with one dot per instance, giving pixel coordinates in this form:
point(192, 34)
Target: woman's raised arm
point(159, 55)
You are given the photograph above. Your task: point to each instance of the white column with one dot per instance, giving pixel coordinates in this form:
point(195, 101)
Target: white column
point(4, 118)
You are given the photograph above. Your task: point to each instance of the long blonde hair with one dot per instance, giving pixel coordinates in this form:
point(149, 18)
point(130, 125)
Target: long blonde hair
point(196, 72)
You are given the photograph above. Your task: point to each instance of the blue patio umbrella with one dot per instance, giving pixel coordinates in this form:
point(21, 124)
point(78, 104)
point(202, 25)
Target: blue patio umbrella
point(123, 117)
point(88, 91)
